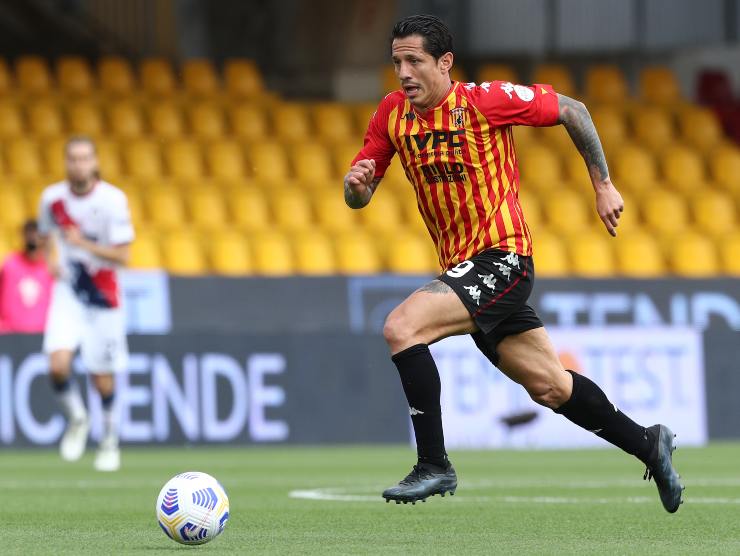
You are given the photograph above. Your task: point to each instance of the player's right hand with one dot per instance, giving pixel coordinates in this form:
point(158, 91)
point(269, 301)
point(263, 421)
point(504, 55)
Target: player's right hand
point(361, 175)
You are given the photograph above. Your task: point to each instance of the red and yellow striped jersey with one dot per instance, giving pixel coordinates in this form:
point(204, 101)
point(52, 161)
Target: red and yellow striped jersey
point(460, 158)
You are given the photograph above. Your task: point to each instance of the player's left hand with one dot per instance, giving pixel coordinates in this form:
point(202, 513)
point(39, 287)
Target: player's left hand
point(73, 236)
point(609, 204)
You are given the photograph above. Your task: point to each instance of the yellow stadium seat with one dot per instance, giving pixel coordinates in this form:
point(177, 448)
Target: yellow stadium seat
point(6, 80)
point(183, 254)
point(291, 122)
point(23, 160)
point(243, 78)
point(291, 209)
point(724, 165)
point(312, 164)
point(74, 75)
point(184, 159)
point(272, 254)
point(124, 120)
point(605, 83)
point(639, 255)
point(109, 159)
point(135, 203)
point(45, 120)
point(550, 256)
point(541, 167)
point(206, 121)
point(532, 209)
point(412, 254)
point(249, 122)
point(314, 254)
point(249, 208)
point(157, 77)
point(165, 207)
point(665, 212)
point(388, 80)
point(53, 156)
point(357, 254)
point(143, 159)
point(11, 120)
point(458, 74)
point(694, 256)
point(683, 168)
point(363, 113)
point(12, 208)
point(199, 77)
point(342, 155)
point(333, 122)
point(115, 75)
point(558, 76)
point(653, 128)
point(714, 212)
point(555, 138)
point(332, 213)
point(269, 161)
point(566, 211)
point(658, 85)
point(32, 74)
point(634, 168)
point(225, 160)
point(229, 254)
point(207, 209)
point(5, 247)
point(165, 120)
point(84, 118)
point(496, 72)
point(383, 214)
point(576, 171)
point(32, 191)
point(145, 252)
point(592, 255)
point(611, 127)
point(700, 128)
point(729, 249)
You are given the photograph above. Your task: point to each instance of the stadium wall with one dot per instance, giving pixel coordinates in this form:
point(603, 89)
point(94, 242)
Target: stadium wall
point(302, 360)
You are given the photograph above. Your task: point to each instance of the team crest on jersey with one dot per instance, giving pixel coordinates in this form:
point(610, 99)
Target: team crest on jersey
point(459, 116)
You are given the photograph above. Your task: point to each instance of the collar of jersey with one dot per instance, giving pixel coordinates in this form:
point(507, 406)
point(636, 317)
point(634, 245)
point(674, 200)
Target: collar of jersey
point(81, 195)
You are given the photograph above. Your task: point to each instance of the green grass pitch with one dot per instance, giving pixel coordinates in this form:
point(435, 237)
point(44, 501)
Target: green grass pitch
point(327, 501)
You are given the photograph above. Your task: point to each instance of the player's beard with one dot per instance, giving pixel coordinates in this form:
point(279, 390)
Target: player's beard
point(83, 185)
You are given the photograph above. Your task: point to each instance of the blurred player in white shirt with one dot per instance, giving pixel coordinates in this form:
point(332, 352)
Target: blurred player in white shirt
point(89, 223)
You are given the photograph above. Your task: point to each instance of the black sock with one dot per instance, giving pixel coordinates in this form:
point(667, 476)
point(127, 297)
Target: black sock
point(588, 407)
point(107, 401)
point(420, 380)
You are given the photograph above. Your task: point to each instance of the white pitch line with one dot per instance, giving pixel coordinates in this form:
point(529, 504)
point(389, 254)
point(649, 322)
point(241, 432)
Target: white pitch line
point(336, 495)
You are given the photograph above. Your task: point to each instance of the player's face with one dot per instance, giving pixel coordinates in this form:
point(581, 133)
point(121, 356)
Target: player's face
point(82, 164)
point(424, 79)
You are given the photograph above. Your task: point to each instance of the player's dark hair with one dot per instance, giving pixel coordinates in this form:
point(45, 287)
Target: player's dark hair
point(436, 36)
point(29, 226)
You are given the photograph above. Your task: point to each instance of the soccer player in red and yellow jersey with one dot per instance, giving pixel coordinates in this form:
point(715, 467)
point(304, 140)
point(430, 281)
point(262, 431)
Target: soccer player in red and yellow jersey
point(456, 145)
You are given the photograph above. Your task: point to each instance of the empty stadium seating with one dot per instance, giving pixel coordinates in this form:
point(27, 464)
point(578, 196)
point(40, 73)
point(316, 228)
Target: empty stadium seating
point(223, 176)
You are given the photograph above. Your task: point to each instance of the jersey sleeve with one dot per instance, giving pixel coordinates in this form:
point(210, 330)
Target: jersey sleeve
point(120, 228)
point(378, 145)
point(504, 103)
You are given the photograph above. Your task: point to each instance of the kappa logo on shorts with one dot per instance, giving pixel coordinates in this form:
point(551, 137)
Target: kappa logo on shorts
point(505, 270)
point(488, 280)
point(512, 259)
point(474, 292)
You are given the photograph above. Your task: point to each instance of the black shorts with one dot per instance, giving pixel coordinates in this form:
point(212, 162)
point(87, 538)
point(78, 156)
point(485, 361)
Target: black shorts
point(494, 286)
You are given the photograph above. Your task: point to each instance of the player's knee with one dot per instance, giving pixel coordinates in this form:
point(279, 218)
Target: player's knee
point(397, 331)
point(549, 393)
point(59, 369)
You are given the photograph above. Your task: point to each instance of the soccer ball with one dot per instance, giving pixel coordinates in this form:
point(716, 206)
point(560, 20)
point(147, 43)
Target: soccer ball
point(192, 508)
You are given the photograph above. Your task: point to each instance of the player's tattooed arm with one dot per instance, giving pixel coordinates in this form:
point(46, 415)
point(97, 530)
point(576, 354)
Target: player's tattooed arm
point(575, 117)
point(355, 199)
point(435, 286)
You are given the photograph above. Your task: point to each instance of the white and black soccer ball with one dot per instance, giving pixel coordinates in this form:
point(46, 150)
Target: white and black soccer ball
point(192, 508)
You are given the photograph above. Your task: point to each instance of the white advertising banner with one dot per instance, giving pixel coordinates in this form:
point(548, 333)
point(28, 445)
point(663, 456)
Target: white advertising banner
point(653, 374)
